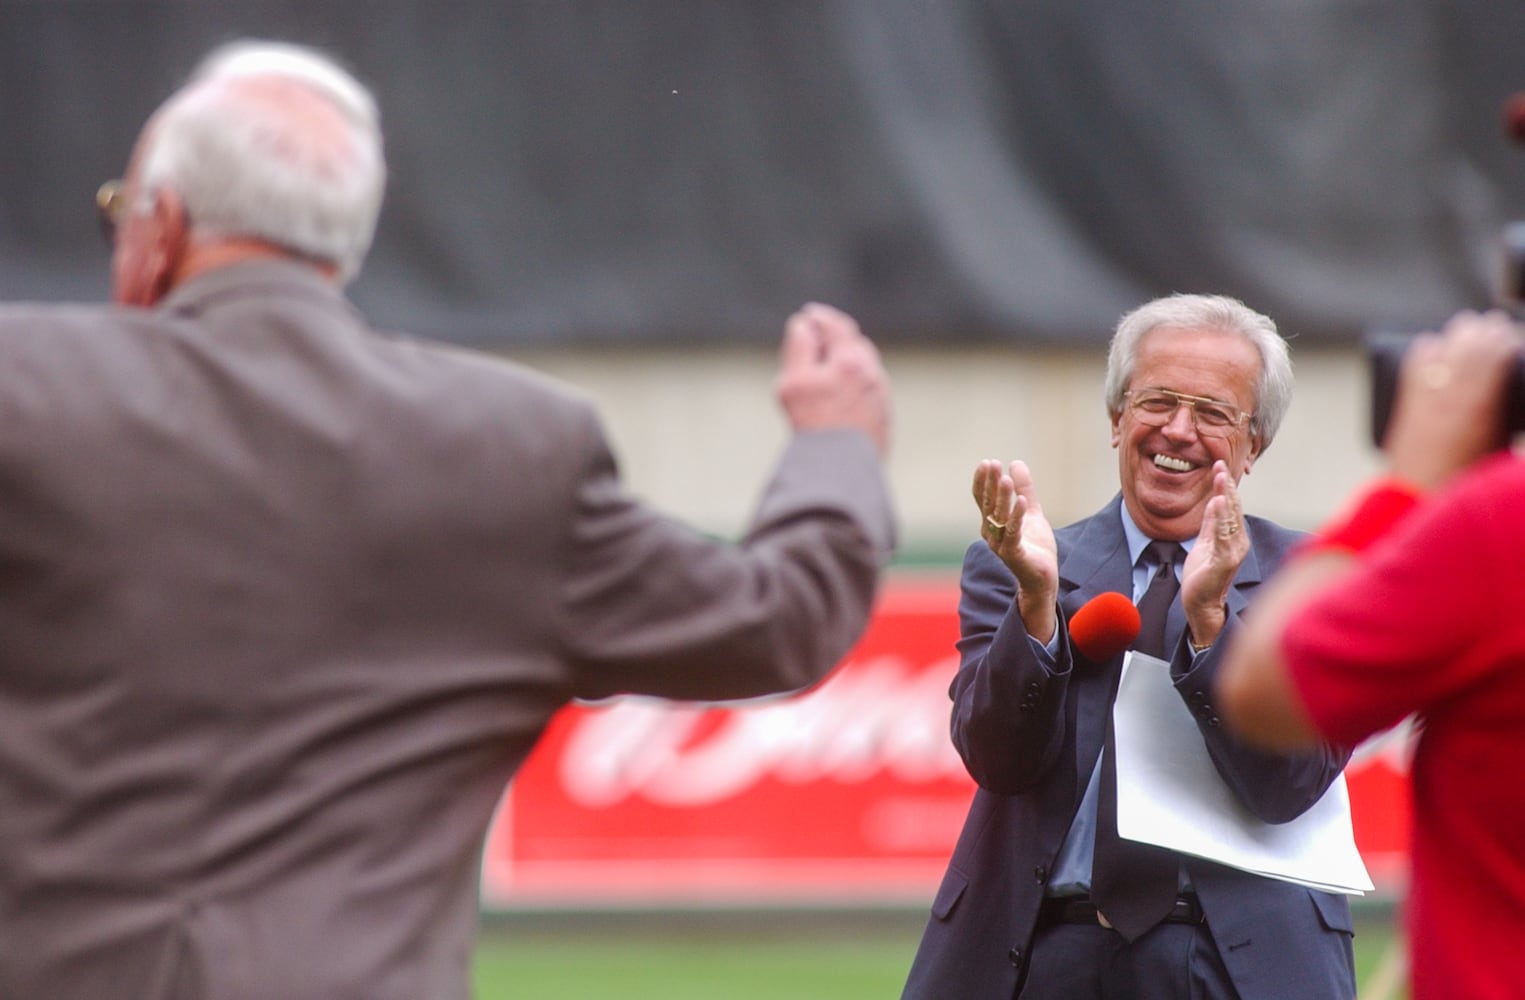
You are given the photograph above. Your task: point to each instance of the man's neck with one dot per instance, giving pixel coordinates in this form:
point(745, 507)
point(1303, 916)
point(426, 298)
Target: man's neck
point(211, 255)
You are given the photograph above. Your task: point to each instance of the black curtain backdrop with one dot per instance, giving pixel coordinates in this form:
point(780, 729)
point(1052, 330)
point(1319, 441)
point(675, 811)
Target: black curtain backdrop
point(672, 172)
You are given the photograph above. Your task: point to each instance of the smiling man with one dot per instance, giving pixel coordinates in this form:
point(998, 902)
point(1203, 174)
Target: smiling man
point(1042, 899)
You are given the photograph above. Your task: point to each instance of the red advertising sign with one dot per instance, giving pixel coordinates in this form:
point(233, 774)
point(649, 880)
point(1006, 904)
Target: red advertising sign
point(848, 793)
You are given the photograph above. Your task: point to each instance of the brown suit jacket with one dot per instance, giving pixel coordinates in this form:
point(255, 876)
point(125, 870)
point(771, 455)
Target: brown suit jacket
point(283, 604)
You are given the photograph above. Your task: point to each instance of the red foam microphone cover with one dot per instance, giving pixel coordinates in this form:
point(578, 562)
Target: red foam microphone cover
point(1104, 626)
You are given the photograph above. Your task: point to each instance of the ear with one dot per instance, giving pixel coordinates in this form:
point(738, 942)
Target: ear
point(169, 236)
point(1117, 428)
point(1250, 456)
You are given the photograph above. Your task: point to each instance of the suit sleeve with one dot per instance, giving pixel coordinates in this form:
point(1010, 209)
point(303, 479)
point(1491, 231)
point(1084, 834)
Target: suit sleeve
point(1008, 701)
point(1276, 788)
point(654, 607)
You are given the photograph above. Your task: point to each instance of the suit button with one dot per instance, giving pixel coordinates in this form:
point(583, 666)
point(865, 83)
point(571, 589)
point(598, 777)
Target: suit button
point(1016, 957)
point(1040, 874)
point(1199, 698)
point(1212, 720)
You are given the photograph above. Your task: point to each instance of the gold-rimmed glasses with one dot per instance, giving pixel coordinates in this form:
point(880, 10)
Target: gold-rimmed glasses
point(110, 204)
point(1211, 417)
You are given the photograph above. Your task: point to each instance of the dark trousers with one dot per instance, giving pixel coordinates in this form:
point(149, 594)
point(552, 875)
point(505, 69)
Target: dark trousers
point(1091, 962)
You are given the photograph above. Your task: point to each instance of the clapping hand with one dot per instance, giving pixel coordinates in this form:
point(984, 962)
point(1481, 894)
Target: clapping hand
point(1013, 525)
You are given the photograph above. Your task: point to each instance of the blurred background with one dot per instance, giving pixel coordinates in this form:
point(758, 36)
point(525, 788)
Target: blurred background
point(634, 194)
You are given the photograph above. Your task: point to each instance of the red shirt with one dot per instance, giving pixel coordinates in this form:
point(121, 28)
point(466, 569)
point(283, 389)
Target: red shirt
point(1434, 622)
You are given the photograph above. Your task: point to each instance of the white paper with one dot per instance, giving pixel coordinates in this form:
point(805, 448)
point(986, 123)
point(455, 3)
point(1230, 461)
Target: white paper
point(1170, 794)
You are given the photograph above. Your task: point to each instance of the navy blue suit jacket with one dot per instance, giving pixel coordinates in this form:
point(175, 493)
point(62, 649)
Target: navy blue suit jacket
point(1030, 736)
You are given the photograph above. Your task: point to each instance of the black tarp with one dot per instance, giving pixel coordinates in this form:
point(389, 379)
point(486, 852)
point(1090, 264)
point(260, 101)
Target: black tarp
point(687, 171)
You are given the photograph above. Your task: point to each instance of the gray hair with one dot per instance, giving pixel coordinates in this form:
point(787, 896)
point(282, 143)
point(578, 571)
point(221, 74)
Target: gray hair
point(1273, 393)
point(243, 167)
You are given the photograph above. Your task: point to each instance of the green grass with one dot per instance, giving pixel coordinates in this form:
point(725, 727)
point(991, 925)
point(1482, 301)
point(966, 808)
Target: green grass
point(651, 970)
point(689, 956)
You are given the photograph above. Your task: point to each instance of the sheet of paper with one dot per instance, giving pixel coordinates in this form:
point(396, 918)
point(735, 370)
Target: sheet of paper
point(1170, 794)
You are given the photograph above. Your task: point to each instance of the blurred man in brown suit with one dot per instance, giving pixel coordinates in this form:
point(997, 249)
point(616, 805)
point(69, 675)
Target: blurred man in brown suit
point(286, 601)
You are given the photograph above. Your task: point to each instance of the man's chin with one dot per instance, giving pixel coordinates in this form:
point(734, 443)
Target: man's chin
point(1175, 511)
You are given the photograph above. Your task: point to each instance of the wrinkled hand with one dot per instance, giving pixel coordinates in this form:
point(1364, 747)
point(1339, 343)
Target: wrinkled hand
point(1449, 410)
point(1013, 525)
point(1221, 546)
point(830, 375)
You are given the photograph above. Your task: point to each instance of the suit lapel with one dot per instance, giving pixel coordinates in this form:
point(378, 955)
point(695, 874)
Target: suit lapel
point(1093, 559)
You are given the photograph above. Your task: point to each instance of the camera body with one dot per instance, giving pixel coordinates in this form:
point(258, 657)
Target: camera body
point(1386, 351)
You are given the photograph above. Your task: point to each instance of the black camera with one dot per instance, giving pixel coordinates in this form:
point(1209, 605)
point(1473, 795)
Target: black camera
point(1386, 351)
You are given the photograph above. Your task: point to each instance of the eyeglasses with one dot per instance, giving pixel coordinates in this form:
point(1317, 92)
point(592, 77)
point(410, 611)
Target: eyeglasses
point(1211, 417)
point(110, 204)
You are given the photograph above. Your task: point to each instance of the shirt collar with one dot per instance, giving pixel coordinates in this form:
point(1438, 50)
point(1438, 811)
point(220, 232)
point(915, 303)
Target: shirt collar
point(1138, 541)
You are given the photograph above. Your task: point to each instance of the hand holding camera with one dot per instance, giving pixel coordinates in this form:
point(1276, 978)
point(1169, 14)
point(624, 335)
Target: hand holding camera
point(1442, 401)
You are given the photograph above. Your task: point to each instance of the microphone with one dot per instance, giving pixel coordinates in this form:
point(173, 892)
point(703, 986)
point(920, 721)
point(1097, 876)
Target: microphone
point(1104, 626)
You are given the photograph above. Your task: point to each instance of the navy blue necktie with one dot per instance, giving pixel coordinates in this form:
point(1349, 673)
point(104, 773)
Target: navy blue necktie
point(1133, 884)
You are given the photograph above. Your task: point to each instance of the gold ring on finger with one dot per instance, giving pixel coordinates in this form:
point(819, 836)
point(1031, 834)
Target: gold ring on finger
point(1436, 374)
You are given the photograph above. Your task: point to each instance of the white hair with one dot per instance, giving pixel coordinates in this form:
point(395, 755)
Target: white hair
point(247, 161)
